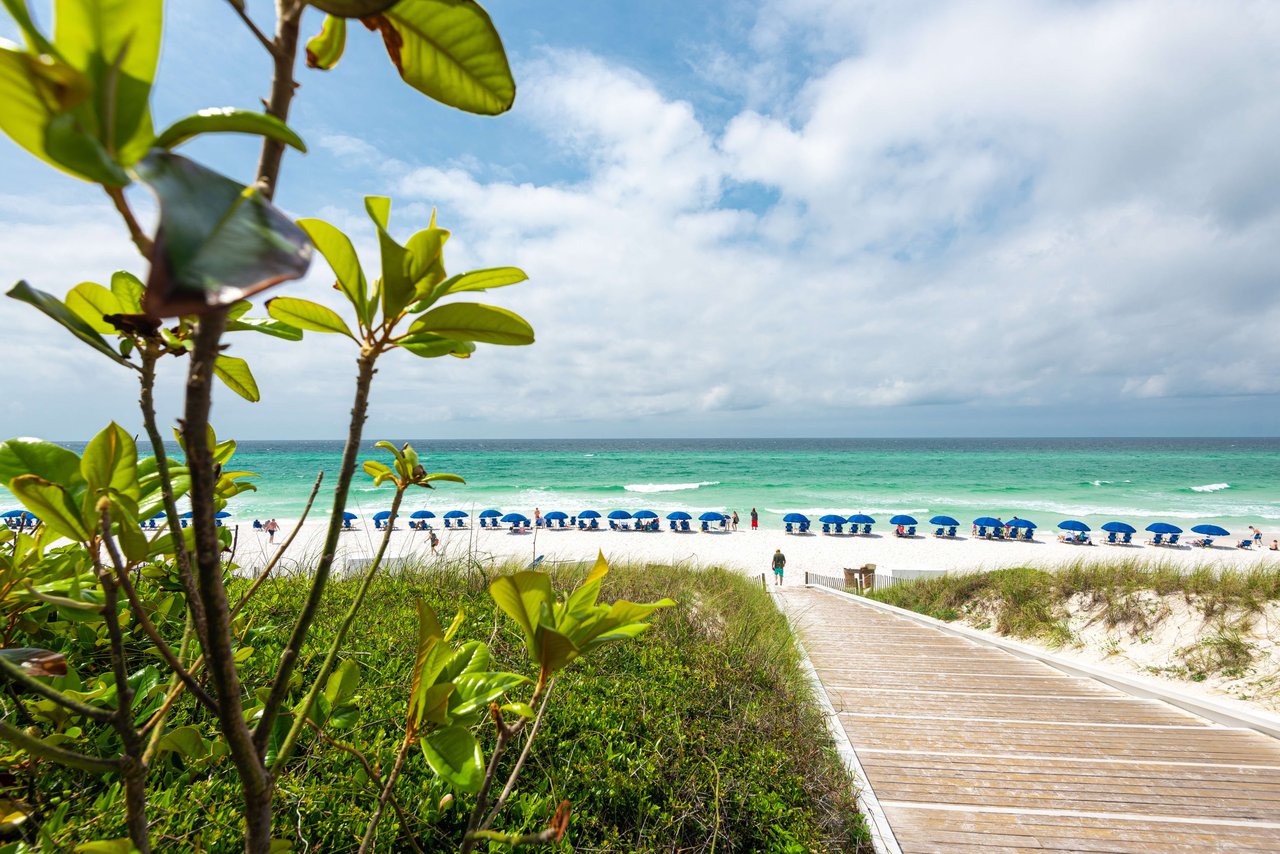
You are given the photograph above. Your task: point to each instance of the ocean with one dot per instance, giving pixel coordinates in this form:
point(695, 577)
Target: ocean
point(1230, 482)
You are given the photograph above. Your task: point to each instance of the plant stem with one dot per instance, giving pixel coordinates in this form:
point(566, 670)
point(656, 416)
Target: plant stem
point(219, 655)
point(284, 53)
point(371, 830)
point(146, 402)
point(318, 681)
point(293, 649)
point(136, 234)
point(70, 758)
point(253, 28)
point(156, 723)
point(131, 767)
point(13, 672)
point(524, 754)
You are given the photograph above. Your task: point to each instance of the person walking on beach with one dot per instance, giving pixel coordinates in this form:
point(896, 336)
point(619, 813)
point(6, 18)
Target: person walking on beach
point(435, 541)
point(779, 564)
point(537, 518)
point(755, 520)
point(271, 527)
point(1257, 536)
point(735, 520)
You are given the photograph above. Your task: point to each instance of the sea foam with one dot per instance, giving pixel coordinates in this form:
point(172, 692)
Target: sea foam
point(1211, 487)
point(667, 487)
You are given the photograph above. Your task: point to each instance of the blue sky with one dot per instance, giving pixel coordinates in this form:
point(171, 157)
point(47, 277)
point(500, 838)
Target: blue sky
point(814, 217)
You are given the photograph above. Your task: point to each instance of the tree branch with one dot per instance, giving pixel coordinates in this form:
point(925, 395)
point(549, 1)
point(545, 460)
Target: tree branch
point(524, 754)
point(36, 747)
point(253, 28)
point(139, 237)
point(16, 673)
point(122, 577)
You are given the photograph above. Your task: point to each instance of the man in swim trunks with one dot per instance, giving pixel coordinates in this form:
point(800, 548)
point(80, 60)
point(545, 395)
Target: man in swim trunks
point(755, 519)
point(779, 564)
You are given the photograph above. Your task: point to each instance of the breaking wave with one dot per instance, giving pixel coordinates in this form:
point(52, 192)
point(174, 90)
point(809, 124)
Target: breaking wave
point(667, 487)
point(1211, 487)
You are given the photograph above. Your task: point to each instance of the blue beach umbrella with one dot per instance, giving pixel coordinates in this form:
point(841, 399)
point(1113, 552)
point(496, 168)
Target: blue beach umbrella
point(349, 516)
point(644, 514)
point(186, 515)
point(945, 521)
point(455, 514)
point(712, 516)
point(1024, 523)
point(1163, 528)
point(679, 516)
point(831, 519)
point(903, 519)
point(861, 519)
point(988, 522)
point(791, 517)
point(422, 514)
point(1211, 531)
point(490, 514)
point(1120, 528)
point(514, 517)
point(222, 514)
point(588, 514)
point(619, 514)
point(381, 514)
point(1073, 525)
point(556, 515)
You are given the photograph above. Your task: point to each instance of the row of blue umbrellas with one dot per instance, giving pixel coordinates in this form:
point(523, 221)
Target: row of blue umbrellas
point(992, 522)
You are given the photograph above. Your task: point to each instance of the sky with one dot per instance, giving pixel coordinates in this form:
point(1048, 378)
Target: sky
point(771, 218)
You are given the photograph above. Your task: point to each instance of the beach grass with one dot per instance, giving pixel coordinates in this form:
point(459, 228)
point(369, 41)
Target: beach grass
point(702, 735)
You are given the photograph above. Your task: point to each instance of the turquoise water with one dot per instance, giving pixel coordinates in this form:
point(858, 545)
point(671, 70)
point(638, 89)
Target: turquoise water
point(1230, 482)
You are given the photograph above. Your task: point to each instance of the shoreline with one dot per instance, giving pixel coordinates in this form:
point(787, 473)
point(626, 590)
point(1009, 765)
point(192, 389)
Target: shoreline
point(744, 550)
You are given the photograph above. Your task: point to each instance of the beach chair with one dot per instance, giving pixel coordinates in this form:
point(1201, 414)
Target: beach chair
point(982, 532)
point(1111, 538)
point(613, 526)
point(673, 524)
point(866, 529)
point(705, 527)
point(1173, 540)
point(1028, 532)
point(951, 532)
point(684, 526)
point(839, 527)
point(595, 525)
point(826, 528)
point(1157, 540)
point(1246, 544)
point(561, 521)
point(939, 532)
point(582, 524)
point(1207, 543)
point(911, 531)
point(804, 527)
point(1126, 539)
point(789, 528)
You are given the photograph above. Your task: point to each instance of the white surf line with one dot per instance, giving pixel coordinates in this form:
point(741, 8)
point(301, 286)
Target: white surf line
point(1087, 723)
point(1030, 757)
point(1251, 824)
point(882, 838)
point(1209, 710)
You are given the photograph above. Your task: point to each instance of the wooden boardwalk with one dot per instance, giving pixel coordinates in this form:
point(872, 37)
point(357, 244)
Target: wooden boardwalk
point(969, 748)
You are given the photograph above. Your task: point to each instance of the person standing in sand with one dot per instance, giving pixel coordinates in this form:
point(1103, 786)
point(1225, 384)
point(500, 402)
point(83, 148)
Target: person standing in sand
point(537, 518)
point(735, 520)
point(435, 541)
point(755, 520)
point(1257, 536)
point(271, 527)
point(779, 564)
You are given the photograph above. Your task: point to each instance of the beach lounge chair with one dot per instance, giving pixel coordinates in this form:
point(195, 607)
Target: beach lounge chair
point(684, 525)
point(1027, 532)
point(1246, 544)
point(804, 527)
point(1111, 538)
point(939, 532)
point(448, 523)
point(613, 526)
point(982, 532)
point(673, 524)
point(561, 523)
point(1173, 540)
point(839, 527)
point(582, 524)
point(826, 528)
point(484, 523)
point(705, 527)
point(595, 524)
point(866, 529)
point(911, 531)
point(1157, 540)
point(951, 532)
point(789, 528)
point(1126, 539)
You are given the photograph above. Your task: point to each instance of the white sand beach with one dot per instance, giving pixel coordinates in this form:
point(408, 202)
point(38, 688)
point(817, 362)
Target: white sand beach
point(744, 549)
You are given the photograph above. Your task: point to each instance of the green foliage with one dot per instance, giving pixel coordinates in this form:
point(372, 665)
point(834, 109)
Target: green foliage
point(228, 120)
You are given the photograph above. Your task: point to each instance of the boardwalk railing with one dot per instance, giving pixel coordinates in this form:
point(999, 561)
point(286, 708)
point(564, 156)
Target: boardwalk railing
point(880, 580)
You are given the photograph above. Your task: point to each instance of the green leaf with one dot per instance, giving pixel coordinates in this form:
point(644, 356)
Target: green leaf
point(56, 309)
point(67, 142)
point(481, 280)
point(397, 287)
point(91, 302)
point(235, 373)
point(475, 691)
point(228, 120)
point(117, 44)
point(450, 51)
point(378, 471)
point(110, 461)
point(525, 597)
point(218, 241)
point(325, 48)
point(308, 316)
point(185, 740)
point(46, 460)
point(266, 326)
point(343, 682)
point(337, 250)
point(51, 504)
point(107, 846)
point(428, 345)
point(555, 649)
point(454, 754)
point(128, 291)
point(470, 321)
point(426, 260)
point(524, 710)
point(33, 89)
